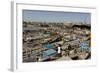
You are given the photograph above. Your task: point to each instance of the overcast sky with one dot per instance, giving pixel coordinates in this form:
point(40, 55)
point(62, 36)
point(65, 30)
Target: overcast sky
point(53, 16)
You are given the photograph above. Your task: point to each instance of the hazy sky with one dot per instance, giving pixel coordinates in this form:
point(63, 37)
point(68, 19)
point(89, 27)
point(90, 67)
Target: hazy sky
point(53, 16)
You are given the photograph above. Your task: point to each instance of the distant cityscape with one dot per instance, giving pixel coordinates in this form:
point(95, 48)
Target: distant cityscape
point(56, 17)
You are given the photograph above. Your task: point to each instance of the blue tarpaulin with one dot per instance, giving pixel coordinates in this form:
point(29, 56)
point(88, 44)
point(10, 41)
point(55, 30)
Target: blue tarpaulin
point(48, 46)
point(48, 53)
point(84, 46)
